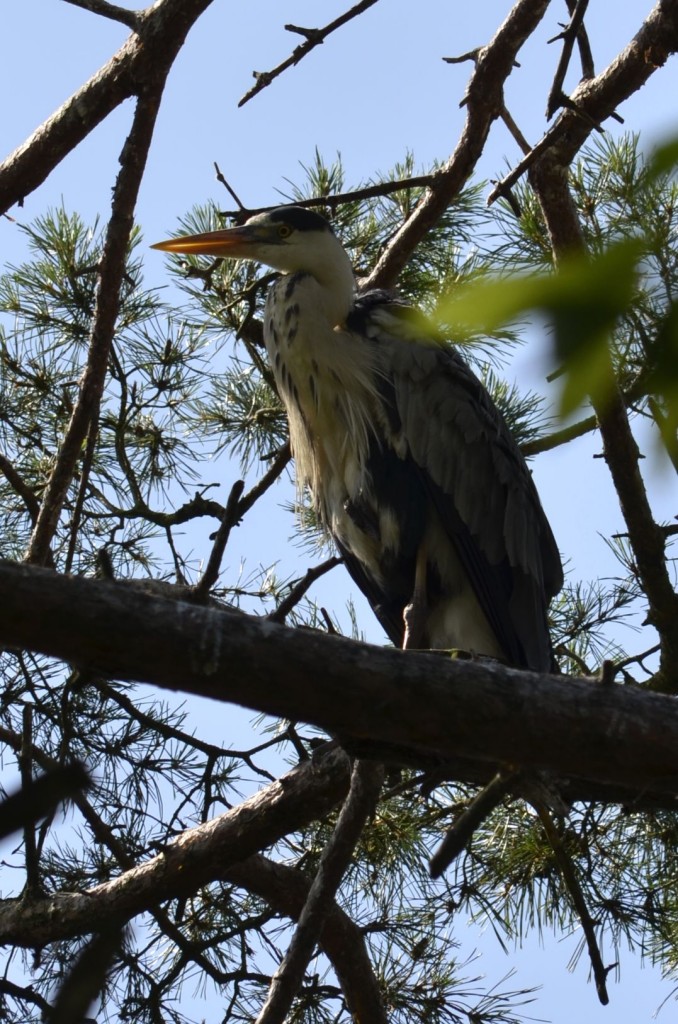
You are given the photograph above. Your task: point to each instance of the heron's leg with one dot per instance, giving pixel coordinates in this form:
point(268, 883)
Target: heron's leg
point(414, 614)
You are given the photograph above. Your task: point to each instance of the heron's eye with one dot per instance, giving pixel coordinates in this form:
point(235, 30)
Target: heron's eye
point(284, 231)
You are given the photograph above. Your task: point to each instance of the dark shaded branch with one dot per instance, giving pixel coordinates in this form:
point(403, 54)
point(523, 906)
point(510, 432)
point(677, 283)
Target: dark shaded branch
point(33, 887)
point(198, 856)
point(470, 820)
point(110, 277)
point(585, 54)
point(610, 742)
point(313, 37)
point(299, 589)
point(24, 994)
point(569, 37)
point(366, 780)
point(569, 875)
point(122, 14)
point(286, 890)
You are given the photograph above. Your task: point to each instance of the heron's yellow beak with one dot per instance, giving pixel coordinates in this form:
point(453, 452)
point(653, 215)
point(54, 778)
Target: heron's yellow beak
point(233, 242)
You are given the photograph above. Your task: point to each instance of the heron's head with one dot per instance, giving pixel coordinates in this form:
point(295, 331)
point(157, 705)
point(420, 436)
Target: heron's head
point(289, 239)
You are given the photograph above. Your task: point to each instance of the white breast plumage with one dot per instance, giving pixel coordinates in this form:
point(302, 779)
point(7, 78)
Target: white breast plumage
point(327, 380)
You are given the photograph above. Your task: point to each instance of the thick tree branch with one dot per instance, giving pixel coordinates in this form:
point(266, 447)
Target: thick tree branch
point(198, 856)
point(549, 179)
point(610, 742)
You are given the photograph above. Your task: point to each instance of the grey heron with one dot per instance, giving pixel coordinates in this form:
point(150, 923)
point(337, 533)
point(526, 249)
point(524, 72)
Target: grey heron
point(411, 467)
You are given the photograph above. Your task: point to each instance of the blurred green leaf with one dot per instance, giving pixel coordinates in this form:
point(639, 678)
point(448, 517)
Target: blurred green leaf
point(583, 301)
point(664, 159)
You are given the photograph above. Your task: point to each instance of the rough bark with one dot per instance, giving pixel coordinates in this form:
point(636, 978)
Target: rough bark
point(604, 738)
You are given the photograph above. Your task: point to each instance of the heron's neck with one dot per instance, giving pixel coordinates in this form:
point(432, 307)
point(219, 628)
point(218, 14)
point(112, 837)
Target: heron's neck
point(331, 287)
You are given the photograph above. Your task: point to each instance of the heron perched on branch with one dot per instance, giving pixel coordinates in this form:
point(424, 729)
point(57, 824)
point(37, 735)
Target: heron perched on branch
point(411, 467)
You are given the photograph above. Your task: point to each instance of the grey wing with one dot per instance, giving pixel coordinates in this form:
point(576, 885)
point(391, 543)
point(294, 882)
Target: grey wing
point(443, 419)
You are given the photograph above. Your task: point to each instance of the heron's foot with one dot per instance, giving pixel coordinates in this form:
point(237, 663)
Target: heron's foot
point(414, 617)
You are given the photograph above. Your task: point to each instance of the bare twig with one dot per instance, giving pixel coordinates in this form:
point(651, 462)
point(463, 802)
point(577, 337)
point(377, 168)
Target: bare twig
point(277, 466)
point(230, 519)
point(301, 586)
point(569, 35)
point(335, 199)
point(471, 819)
point(313, 37)
point(571, 882)
point(87, 462)
point(366, 780)
point(585, 54)
point(234, 196)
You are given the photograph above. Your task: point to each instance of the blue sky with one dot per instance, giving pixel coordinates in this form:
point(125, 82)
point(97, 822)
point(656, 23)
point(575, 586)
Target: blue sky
point(375, 90)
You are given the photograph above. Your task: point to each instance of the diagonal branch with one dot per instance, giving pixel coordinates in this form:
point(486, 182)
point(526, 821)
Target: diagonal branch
point(484, 103)
point(286, 890)
point(313, 37)
point(144, 59)
point(198, 856)
point(107, 10)
point(569, 37)
point(366, 780)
